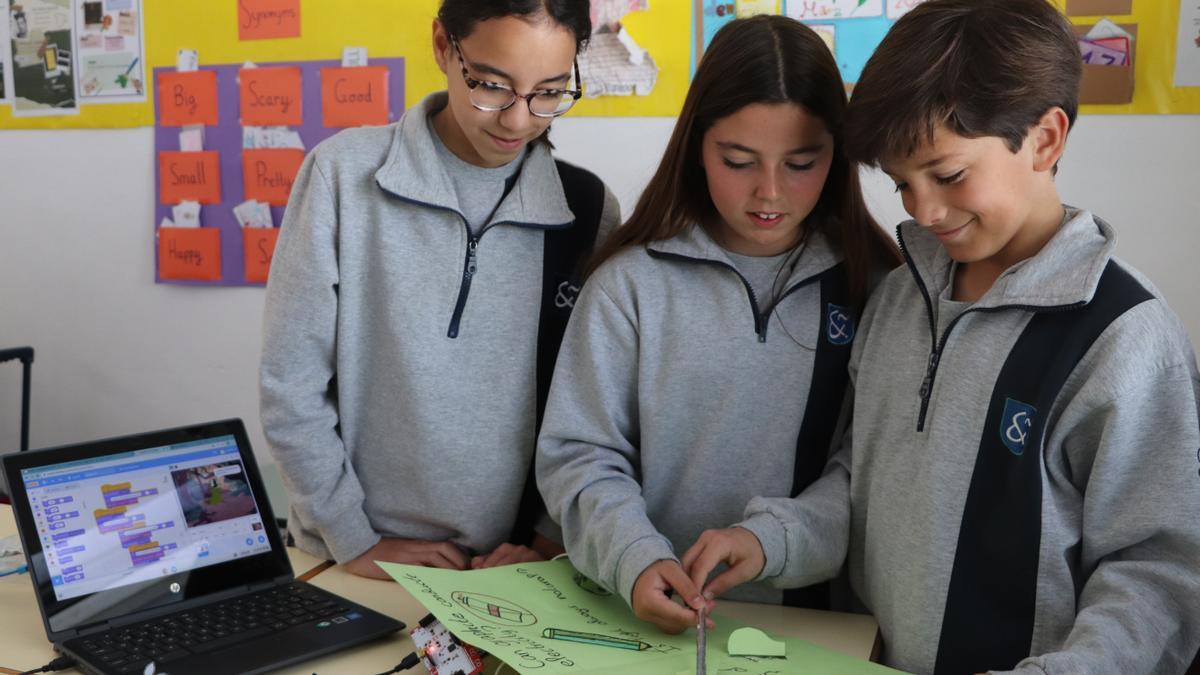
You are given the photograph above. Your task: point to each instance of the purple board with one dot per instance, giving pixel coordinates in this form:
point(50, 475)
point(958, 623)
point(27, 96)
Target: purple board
point(226, 138)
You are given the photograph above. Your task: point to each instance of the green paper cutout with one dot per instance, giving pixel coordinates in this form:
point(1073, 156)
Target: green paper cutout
point(540, 619)
point(754, 642)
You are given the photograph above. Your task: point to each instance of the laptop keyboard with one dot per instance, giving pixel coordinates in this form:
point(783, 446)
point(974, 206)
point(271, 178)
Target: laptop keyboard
point(207, 628)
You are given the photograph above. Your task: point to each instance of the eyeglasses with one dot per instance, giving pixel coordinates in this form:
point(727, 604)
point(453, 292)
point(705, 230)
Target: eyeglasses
point(494, 97)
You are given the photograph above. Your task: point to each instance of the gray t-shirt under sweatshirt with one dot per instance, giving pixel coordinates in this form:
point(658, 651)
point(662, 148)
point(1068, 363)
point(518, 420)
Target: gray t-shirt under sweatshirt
point(762, 273)
point(479, 189)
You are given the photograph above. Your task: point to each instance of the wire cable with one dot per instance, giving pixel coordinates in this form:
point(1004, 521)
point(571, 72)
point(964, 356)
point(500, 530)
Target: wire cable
point(61, 663)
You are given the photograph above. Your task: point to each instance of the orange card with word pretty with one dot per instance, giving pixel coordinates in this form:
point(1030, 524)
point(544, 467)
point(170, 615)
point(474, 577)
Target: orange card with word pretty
point(192, 253)
point(268, 174)
point(189, 176)
point(270, 97)
point(258, 246)
point(187, 98)
point(268, 19)
point(353, 97)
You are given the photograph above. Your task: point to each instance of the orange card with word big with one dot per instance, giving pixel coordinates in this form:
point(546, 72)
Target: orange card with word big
point(270, 97)
point(268, 19)
point(192, 253)
point(268, 174)
point(353, 97)
point(187, 98)
point(258, 246)
point(189, 176)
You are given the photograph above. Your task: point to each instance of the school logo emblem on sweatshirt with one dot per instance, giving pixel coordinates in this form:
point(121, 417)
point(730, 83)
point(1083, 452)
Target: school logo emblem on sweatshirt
point(1015, 425)
point(841, 325)
point(566, 296)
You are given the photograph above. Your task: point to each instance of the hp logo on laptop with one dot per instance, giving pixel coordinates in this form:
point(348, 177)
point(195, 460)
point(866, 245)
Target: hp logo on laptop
point(174, 587)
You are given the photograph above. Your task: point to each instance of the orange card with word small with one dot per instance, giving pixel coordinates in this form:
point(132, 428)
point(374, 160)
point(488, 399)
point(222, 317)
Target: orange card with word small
point(192, 253)
point(268, 19)
point(268, 174)
point(187, 98)
point(189, 176)
point(353, 97)
point(270, 97)
point(258, 246)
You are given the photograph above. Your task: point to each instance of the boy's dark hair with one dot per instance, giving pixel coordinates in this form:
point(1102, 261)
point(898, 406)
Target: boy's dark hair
point(977, 67)
point(460, 16)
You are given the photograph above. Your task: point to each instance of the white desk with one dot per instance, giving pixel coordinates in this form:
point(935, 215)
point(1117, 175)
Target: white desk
point(23, 642)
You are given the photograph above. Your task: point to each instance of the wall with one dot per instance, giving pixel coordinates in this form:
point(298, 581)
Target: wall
point(118, 354)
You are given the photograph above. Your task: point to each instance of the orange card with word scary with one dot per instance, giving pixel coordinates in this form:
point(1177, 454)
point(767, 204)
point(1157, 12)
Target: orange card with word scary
point(353, 97)
point(268, 19)
point(258, 246)
point(268, 174)
point(187, 98)
point(270, 97)
point(192, 253)
point(189, 176)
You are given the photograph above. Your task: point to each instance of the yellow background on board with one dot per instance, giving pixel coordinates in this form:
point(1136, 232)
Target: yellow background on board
point(391, 28)
point(387, 28)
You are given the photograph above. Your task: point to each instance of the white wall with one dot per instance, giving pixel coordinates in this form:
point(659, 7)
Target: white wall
point(118, 354)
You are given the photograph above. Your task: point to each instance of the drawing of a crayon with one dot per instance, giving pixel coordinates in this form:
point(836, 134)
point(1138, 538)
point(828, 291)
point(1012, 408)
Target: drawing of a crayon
point(595, 639)
point(506, 613)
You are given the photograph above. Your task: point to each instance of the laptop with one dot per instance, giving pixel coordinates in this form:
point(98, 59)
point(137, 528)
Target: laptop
point(162, 548)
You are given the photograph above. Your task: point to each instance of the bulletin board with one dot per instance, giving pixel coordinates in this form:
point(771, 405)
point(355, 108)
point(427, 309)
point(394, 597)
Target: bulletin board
point(386, 28)
point(855, 28)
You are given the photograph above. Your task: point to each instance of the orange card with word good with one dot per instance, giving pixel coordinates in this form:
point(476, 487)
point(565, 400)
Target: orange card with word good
point(268, 19)
point(353, 97)
point(258, 246)
point(270, 97)
point(268, 173)
point(189, 176)
point(187, 98)
point(191, 253)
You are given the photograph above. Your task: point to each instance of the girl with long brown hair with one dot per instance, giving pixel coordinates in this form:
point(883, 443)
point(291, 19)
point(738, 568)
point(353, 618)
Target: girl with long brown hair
point(705, 363)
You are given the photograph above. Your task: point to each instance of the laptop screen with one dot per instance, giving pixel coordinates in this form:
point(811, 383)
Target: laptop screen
point(110, 521)
point(123, 526)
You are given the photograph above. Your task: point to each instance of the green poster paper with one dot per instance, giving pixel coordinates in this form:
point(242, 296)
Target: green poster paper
point(548, 618)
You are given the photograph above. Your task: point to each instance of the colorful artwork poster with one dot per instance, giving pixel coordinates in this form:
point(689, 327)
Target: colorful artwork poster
point(1187, 56)
point(5, 54)
point(614, 64)
point(898, 8)
point(241, 258)
point(859, 26)
point(43, 76)
point(109, 51)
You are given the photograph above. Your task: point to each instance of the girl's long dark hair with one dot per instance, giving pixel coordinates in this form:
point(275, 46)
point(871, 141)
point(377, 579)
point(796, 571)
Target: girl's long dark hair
point(763, 59)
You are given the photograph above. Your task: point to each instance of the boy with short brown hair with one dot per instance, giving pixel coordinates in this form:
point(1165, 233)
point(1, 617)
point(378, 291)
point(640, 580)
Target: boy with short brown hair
point(1021, 492)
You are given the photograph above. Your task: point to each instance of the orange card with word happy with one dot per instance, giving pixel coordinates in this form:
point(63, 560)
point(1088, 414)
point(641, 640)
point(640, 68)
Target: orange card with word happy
point(268, 174)
point(187, 98)
point(258, 246)
point(189, 176)
point(192, 253)
point(353, 97)
point(270, 97)
point(268, 19)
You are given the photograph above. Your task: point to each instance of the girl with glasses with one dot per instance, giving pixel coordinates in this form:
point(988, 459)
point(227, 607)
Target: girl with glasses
point(421, 282)
point(705, 363)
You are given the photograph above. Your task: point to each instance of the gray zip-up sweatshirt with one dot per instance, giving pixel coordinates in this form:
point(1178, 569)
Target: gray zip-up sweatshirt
point(674, 402)
point(381, 423)
point(1115, 551)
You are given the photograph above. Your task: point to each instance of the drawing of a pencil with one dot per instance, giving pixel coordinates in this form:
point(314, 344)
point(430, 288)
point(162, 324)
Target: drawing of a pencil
point(594, 639)
point(507, 613)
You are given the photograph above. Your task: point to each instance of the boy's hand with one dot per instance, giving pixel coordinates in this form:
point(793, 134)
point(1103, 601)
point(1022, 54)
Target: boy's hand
point(652, 597)
point(441, 554)
point(736, 546)
point(547, 548)
point(505, 554)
